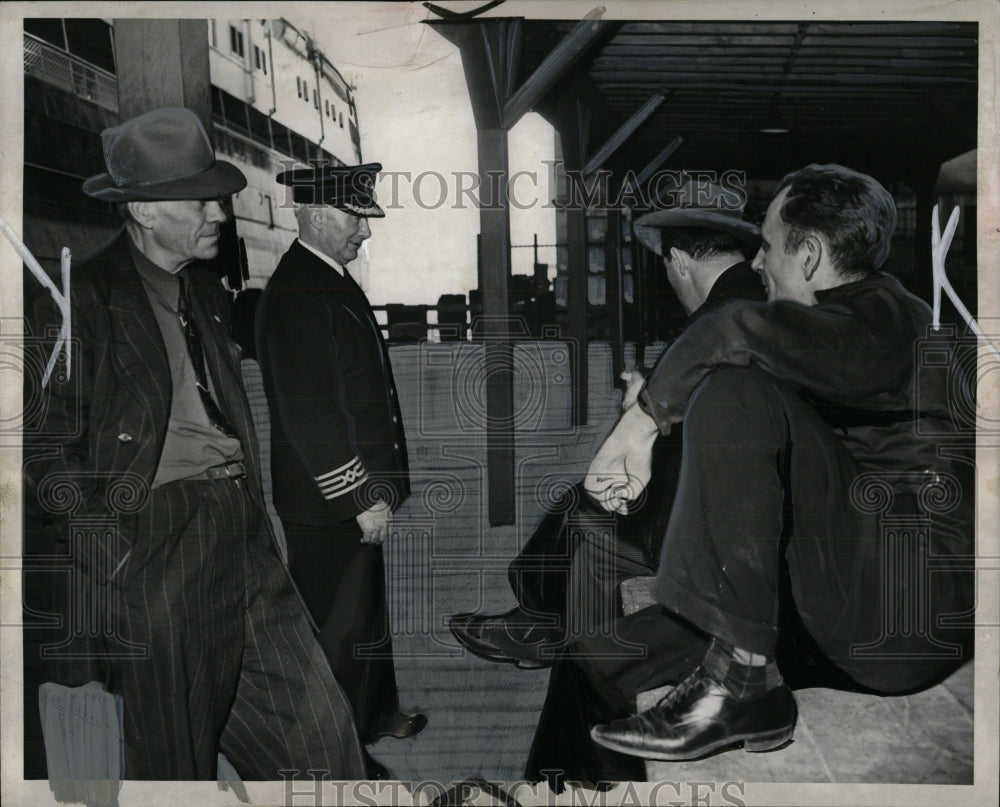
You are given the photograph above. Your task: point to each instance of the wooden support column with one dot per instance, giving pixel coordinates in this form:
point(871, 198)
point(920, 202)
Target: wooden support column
point(640, 325)
point(490, 56)
point(576, 247)
point(574, 129)
point(163, 63)
point(614, 294)
point(494, 223)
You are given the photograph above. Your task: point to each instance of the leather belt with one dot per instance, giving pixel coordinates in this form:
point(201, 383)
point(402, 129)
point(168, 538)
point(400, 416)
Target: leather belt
point(228, 470)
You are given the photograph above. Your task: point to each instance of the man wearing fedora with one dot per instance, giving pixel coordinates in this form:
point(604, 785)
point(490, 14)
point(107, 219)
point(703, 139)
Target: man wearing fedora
point(820, 445)
point(338, 452)
point(567, 587)
point(150, 474)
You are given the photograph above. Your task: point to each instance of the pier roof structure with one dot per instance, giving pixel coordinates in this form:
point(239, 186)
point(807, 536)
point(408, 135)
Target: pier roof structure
point(637, 98)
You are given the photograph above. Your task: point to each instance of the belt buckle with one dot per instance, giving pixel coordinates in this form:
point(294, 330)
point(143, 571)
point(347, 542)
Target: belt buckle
point(235, 470)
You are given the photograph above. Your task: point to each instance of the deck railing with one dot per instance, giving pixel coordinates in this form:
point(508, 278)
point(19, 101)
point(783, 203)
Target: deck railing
point(57, 67)
point(434, 323)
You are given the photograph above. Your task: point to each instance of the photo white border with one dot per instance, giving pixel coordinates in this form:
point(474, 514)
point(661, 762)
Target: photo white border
point(15, 791)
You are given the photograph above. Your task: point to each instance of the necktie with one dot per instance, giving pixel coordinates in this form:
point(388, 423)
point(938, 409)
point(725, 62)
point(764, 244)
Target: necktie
point(197, 354)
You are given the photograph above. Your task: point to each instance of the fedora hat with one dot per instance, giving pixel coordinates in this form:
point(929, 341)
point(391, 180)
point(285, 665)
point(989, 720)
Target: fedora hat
point(160, 155)
point(350, 188)
point(699, 204)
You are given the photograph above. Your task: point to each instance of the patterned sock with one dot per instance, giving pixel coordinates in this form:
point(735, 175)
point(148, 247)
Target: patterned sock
point(741, 680)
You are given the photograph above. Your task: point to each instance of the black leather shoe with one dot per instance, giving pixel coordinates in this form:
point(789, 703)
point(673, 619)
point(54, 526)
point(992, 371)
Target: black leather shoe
point(700, 717)
point(514, 637)
point(401, 726)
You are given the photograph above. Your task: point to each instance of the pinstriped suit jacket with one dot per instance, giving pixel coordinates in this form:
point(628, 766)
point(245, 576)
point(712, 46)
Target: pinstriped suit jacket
point(103, 428)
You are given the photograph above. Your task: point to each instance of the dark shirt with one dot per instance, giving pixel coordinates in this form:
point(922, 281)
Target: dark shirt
point(192, 444)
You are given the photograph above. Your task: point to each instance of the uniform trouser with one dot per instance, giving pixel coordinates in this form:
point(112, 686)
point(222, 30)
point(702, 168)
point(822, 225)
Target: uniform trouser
point(211, 648)
point(760, 465)
point(343, 583)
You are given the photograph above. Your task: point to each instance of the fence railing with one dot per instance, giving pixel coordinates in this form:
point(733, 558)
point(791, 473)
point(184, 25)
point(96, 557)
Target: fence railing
point(459, 321)
point(57, 67)
point(414, 323)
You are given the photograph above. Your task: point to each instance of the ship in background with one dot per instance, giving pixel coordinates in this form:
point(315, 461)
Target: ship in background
point(277, 102)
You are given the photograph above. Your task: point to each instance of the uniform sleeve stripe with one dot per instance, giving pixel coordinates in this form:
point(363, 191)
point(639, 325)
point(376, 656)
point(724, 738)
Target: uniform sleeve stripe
point(352, 463)
point(331, 496)
point(345, 479)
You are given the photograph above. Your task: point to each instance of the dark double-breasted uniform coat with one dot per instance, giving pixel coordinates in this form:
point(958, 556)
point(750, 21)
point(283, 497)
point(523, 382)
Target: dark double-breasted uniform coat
point(337, 448)
point(205, 619)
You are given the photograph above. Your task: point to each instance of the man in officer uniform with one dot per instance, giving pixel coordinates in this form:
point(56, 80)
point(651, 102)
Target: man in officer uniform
point(338, 450)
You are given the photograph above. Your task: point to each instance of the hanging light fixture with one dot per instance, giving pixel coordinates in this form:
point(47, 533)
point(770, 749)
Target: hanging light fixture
point(774, 122)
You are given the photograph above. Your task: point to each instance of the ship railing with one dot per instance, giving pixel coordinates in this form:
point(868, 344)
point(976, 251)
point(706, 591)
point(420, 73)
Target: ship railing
point(59, 68)
point(416, 323)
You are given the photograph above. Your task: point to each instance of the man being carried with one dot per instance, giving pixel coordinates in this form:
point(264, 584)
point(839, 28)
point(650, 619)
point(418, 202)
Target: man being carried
point(566, 579)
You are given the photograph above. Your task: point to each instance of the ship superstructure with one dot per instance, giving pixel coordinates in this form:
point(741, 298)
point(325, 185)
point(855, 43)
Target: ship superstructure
point(277, 101)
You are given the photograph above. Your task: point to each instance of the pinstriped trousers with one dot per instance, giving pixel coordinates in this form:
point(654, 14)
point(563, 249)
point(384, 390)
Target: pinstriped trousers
point(230, 661)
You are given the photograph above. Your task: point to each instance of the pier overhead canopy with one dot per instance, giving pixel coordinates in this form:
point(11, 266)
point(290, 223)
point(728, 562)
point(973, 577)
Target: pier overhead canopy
point(893, 99)
point(766, 97)
point(888, 98)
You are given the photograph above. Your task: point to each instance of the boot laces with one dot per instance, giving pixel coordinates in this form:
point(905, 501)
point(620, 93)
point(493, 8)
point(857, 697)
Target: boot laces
point(679, 691)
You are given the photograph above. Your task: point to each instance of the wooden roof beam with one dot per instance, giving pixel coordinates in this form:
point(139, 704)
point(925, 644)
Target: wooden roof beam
point(639, 117)
point(827, 28)
point(556, 65)
point(640, 51)
point(695, 78)
point(770, 40)
point(654, 164)
point(623, 84)
point(881, 60)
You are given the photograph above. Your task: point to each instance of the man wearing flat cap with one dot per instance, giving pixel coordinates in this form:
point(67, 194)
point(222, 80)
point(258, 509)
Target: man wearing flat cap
point(338, 452)
point(155, 486)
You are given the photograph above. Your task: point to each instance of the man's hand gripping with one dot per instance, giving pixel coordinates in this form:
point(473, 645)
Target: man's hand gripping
point(622, 467)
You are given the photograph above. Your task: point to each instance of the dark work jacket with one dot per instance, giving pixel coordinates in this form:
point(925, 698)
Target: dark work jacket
point(863, 355)
point(337, 442)
point(539, 574)
point(647, 525)
point(738, 282)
